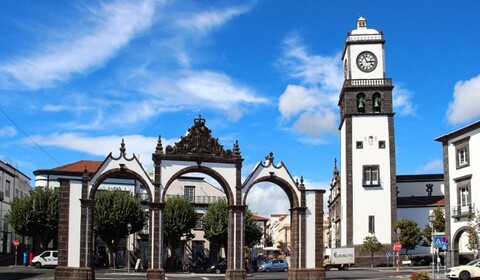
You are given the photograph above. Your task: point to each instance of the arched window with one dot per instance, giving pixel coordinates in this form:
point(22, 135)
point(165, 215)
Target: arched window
point(361, 102)
point(376, 102)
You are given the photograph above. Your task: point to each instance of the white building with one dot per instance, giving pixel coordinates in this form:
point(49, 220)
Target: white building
point(461, 163)
point(13, 184)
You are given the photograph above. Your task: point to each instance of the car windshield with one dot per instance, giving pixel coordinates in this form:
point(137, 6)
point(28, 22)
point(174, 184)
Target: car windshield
point(474, 262)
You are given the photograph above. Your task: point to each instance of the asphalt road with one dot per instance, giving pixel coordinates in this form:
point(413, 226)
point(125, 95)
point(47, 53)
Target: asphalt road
point(30, 273)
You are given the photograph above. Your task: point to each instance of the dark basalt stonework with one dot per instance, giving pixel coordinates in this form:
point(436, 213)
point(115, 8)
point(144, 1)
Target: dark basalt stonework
point(199, 141)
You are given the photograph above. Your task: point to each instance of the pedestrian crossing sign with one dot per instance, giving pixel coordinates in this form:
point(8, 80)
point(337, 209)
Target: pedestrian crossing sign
point(440, 242)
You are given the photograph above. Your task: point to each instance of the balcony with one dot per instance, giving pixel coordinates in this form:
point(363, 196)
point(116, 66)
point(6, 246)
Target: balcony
point(465, 210)
point(201, 199)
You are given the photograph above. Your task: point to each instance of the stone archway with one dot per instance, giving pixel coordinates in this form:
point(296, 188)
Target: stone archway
point(197, 151)
point(76, 210)
point(454, 248)
point(306, 210)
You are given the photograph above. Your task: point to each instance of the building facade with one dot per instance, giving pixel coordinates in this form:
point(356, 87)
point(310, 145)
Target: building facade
point(13, 184)
point(461, 164)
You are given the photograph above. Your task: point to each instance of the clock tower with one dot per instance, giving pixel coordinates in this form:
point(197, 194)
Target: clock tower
point(368, 177)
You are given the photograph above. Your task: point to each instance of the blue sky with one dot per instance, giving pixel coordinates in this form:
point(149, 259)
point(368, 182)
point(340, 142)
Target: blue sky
point(78, 76)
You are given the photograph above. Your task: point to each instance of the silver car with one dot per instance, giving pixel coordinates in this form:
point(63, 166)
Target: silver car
point(274, 265)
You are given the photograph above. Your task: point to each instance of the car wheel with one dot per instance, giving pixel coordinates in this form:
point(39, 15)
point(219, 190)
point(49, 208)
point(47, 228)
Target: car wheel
point(218, 271)
point(285, 269)
point(464, 275)
point(38, 265)
point(267, 269)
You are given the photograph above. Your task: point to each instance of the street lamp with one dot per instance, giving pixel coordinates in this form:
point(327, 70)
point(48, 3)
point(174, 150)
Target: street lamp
point(398, 251)
point(431, 219)
point(129, 228)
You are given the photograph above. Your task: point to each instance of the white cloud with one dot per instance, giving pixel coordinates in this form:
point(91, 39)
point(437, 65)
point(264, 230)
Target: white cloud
point(266, 199)
point(205, 21)
point(205, 89)
point(139, 145)
point(322, 71)
point(312, 105)
point(7, 131)
point(296, 99)
point(402, 101)
point(466, 101)
point(434, 165)
point(316, 123)
point(114, 26)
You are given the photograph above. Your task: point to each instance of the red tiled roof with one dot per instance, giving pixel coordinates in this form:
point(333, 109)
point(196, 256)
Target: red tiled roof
point(80, 166)
point(256, 217)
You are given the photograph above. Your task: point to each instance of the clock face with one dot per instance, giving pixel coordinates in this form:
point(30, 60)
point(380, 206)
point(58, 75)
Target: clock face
point(367, 61)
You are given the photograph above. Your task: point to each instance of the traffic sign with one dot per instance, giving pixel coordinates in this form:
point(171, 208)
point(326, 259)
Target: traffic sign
point(439, 241)
point(397, 246)
point(16, 243)
point(387, 255)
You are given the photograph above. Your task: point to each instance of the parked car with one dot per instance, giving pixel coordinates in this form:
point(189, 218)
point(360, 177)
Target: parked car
point(46, 259)
point(219, 267)
point(274, 265)
point(467, 271)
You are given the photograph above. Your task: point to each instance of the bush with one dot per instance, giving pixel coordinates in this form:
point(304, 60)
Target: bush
point(419, 276)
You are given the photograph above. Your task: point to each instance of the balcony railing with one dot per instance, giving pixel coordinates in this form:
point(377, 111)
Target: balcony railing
point(463, 210)
point(364, 37)
point(367, 82)
point(201, 199)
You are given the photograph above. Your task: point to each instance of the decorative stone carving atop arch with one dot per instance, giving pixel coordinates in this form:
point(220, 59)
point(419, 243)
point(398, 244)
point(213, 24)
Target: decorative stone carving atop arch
point(120, 167)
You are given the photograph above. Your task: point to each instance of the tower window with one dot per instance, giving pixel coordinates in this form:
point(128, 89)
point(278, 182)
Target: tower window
point(376, 102)
point(371, 224)
point(371, 175)
point(381, 144)
point(359, 144)
point(361, 102)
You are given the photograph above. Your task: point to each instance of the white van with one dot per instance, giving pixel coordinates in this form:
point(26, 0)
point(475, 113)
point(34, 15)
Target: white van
point(47, 258)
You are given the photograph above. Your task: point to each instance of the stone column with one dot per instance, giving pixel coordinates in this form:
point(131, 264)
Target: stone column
point(155, 266)
point(62, 271)
point(235, 254)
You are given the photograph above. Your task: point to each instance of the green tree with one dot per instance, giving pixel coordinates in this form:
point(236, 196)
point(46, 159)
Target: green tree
point(371, 245)
point(253, 232)
point(36, 215)
point(179, 218)
point(215, 224)
point(473, 241)
point(438, 226)
point(410, 235)
point(114, 210)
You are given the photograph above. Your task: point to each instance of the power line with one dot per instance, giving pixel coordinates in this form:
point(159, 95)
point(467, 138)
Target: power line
point(29, 138)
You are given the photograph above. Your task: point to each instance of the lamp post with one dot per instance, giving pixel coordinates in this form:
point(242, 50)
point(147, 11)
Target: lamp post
point(431, 218)
point(398, 251)
point(129, 228)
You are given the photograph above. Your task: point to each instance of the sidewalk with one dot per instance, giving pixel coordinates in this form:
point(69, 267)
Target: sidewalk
point(407, 271)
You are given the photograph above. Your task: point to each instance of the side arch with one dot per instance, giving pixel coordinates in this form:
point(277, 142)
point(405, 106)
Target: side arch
point(119, 173)
point(454, 247)
point(205, 170)
point(282, 183)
